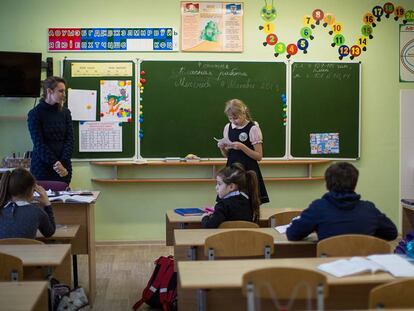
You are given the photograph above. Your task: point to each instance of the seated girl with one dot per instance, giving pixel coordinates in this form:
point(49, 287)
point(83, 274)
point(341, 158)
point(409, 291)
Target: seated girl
point(238, 197)
point(19, 217)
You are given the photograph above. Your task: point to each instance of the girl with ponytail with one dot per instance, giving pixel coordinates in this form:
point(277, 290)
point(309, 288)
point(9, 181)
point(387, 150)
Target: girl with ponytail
point(238, 194)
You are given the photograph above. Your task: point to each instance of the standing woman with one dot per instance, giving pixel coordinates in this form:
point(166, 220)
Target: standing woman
point(50, 126)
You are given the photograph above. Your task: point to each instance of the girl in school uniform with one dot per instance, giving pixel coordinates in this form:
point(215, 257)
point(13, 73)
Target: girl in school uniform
point(243, 141)
point(238, 195)
point(19, 218)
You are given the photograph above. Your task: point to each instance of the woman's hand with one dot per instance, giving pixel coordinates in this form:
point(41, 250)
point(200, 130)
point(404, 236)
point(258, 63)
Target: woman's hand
point(43, 199)
point(60, 169)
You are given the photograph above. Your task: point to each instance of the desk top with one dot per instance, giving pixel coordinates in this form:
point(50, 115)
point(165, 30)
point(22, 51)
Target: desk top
point(63, 232)
point(38, 255)
point(21, 296)
point(197, 237)
point(265, 213)
point(229, 273)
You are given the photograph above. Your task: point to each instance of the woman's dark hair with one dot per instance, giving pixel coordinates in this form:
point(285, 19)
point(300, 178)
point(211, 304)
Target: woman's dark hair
point(51, 83)
point(246, 181)
point(19, 183)
point(341, 177)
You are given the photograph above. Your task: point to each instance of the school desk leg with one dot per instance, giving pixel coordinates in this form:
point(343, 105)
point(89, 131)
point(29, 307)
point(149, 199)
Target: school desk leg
point(201, 300)
point(75, 271)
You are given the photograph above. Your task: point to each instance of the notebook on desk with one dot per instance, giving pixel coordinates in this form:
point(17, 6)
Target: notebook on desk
point(189, 211)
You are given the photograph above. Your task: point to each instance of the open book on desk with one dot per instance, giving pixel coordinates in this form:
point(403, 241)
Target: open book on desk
point(66, 198)
point(394, 264)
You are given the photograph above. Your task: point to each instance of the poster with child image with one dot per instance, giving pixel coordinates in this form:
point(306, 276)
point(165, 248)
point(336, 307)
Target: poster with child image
point(116, 100)
point(212, 26)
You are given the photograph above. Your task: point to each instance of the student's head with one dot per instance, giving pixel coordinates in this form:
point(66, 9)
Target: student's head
point(235, 177)
point(341, 177)
point(54, 91)
point(18, 183)
point(237, 111)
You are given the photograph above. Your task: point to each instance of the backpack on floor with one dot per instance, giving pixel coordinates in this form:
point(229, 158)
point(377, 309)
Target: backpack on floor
point(161, 290)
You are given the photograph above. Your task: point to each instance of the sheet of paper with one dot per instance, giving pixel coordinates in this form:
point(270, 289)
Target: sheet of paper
point(82, 104)
point(100, 136)
point(282, 229)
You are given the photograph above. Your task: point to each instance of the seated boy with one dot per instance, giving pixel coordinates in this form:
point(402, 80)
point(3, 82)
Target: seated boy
point(340, 211)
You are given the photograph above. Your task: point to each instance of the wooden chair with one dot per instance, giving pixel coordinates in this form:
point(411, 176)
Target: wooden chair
point(238, 224)
point(393, 295)
point(352, 245)
point(284, 286)
point(239, 243)
point(283, 218)
point(19, 241)
point(11, 268)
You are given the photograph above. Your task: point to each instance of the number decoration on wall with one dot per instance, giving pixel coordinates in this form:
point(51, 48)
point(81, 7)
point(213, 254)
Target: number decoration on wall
point(327, 20)
point(141, 83)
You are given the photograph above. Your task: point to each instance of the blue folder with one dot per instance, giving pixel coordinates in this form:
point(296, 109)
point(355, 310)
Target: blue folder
point(189, 211)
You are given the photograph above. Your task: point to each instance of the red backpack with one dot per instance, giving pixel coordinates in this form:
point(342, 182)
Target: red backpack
point(161, 290)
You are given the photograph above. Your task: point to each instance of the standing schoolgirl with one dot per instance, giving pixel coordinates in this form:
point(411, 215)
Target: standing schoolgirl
point(244, 141)
point(238, 197)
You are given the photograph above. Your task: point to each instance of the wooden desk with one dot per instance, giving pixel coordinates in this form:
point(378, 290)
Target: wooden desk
point(23, 296)
point(175, 221)
point(223, 280)
point(36, 258)
point(189, 244)
point(63, 233)
point(407, 219)
point(82, 214)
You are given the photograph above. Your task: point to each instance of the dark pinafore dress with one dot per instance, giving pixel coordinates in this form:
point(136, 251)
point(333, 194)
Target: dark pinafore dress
point(242, 135)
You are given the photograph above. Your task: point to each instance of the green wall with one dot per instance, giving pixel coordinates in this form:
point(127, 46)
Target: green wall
point(136, 211)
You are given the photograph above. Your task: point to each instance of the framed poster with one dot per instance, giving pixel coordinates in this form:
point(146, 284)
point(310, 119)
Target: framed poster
point(212, 26)
point(407, 53)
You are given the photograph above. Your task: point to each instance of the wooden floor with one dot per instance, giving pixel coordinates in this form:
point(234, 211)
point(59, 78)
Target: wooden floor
point(122, 272)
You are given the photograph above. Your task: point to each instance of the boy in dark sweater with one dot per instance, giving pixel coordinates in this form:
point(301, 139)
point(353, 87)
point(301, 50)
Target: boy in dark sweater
point(341, 210)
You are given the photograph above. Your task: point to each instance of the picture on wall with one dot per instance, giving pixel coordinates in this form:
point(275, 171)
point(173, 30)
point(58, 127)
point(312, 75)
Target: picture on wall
point(212, 26)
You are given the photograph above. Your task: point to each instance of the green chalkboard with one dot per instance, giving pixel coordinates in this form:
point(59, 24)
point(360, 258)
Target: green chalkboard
point(325, 98)
point(92, 82)
point(182, 105)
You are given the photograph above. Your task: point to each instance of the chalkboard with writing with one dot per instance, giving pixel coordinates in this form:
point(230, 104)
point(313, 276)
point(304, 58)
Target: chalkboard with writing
point(182, 104)
point(325, 110)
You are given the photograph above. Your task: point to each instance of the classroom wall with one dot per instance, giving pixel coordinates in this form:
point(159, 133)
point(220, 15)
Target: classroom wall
point(136, 211)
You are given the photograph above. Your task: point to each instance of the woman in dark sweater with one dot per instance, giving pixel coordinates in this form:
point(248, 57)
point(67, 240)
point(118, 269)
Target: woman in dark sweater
point(238, 193)
point(50, 126)
point(19, 218)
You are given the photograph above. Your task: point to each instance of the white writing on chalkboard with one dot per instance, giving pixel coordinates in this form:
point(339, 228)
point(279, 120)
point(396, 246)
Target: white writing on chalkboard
point(225, 76)
point(321, 71)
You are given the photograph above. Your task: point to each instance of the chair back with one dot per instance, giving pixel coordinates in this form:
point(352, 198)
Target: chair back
point(283, 218)
point(239, 243)
point(285, 285)
point(11, 268)
point(352, 245)
point(393, 295)
point(238, 224)
point(19, 241)
point(53, 185)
